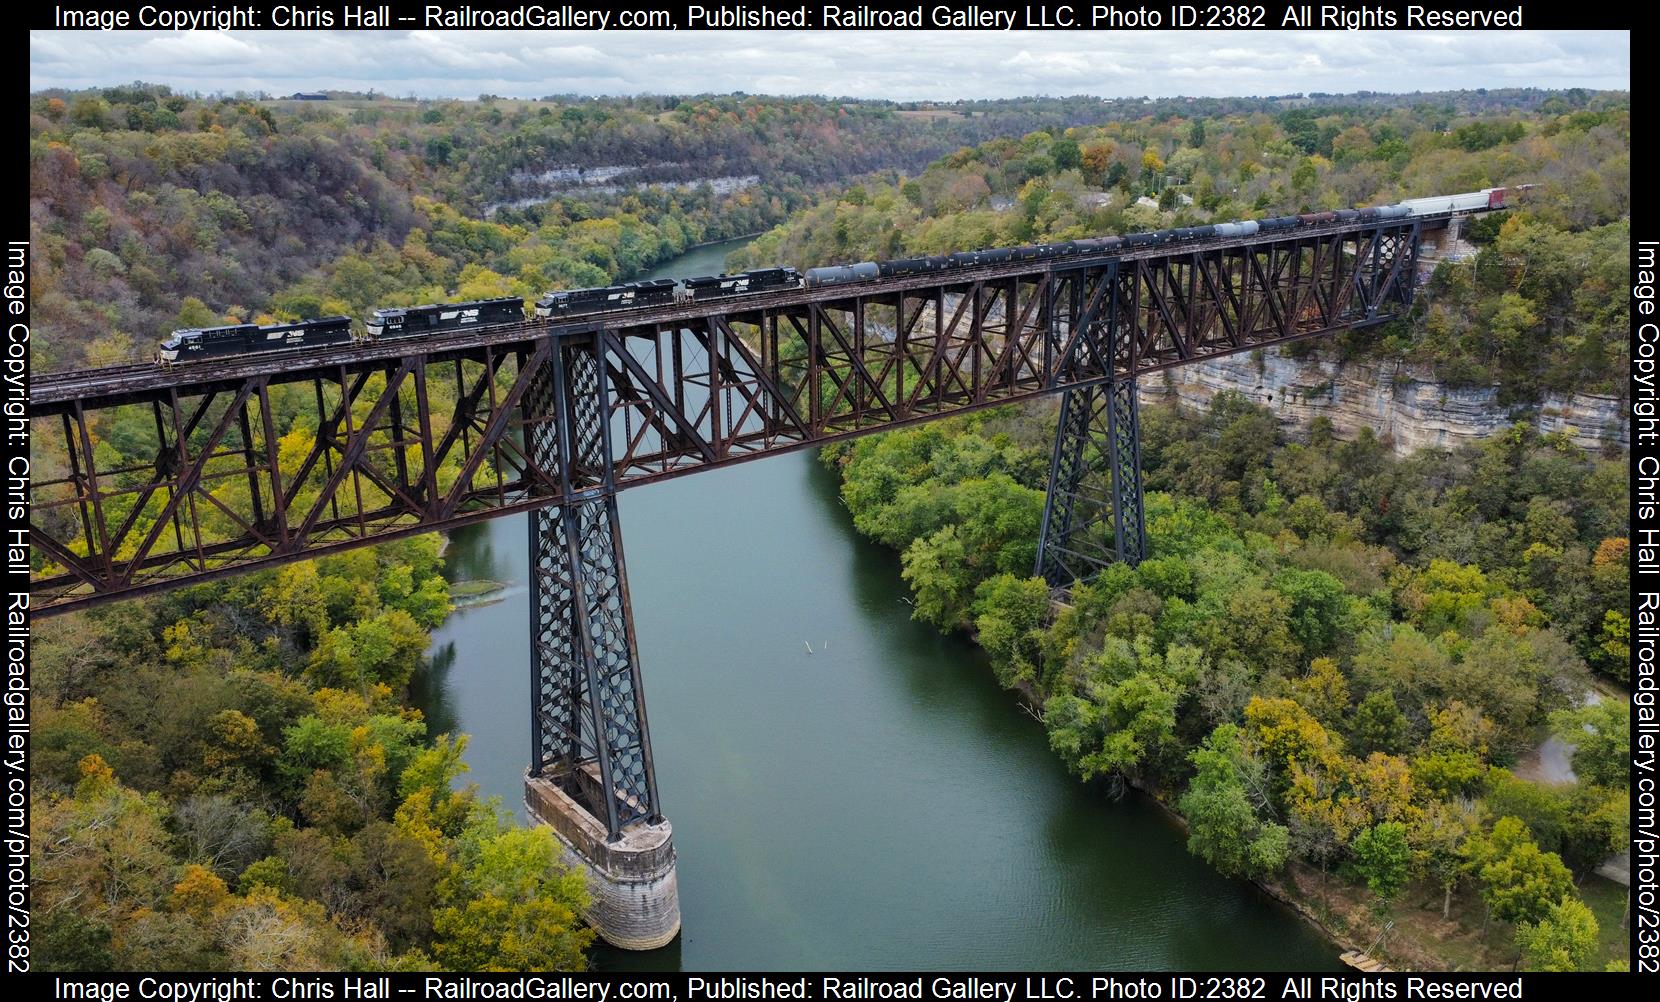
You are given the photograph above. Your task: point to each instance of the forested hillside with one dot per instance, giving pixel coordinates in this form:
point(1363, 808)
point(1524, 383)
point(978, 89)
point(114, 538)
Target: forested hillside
point(152, 210)
point(1542, 307)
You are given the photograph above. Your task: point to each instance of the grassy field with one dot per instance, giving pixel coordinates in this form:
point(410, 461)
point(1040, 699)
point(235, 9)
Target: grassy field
point(1420, 939)
point(1608, 901)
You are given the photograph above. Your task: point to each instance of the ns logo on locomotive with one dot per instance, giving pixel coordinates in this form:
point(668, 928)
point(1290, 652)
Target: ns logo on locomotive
point(197, 344)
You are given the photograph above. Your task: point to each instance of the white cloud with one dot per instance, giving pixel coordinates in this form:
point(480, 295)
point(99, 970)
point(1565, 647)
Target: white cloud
point(1057, 65)
point(927, 65)
point(203, 48)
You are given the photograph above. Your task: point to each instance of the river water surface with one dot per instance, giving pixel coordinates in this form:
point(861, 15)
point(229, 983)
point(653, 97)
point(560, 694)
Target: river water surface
point(878, 803)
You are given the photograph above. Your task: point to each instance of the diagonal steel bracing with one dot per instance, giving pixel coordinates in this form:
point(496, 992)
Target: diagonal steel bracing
point(254, 461)
point(1092, 515)
point(588, 717)
point(264, 460)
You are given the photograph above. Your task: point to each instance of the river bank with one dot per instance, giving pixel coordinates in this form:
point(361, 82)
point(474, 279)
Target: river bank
point(879, 803)
point(1117, 682)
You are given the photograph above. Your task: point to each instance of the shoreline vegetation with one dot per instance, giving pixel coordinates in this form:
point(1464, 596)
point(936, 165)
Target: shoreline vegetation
point(1323, 674)
point(229, 777)
point(469, 594)
point(1336, 656)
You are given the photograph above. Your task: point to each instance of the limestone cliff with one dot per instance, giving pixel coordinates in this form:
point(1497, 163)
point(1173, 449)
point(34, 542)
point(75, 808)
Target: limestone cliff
point(1400, 402)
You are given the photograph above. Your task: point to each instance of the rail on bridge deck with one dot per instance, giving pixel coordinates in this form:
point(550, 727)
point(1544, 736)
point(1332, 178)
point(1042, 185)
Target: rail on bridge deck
point(258, 460)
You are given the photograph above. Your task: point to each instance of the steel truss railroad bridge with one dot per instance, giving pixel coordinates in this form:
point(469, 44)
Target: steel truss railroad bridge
point(554, 419)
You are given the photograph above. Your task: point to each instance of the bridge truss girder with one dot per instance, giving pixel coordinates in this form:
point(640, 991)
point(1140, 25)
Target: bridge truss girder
point(1177, 310)
point(264, 460)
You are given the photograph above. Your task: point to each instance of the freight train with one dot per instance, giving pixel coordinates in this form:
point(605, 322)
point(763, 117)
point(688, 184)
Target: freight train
point(200, 344)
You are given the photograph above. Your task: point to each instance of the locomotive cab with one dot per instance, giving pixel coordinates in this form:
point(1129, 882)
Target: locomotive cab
point(187, 343)
point(378, 323)
point(550, 303)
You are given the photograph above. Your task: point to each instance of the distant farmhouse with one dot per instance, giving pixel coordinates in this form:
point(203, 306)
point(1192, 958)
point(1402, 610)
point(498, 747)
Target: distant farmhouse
point(314, 96)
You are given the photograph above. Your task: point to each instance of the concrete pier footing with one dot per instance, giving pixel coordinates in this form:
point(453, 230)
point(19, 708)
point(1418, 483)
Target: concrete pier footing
point(635, 899)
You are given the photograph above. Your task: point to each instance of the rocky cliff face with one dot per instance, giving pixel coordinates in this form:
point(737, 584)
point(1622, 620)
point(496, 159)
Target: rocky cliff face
point(1396, 401)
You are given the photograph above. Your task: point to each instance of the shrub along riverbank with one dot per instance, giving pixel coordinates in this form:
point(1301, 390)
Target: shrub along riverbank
point(1331, 666)
point(226, 778)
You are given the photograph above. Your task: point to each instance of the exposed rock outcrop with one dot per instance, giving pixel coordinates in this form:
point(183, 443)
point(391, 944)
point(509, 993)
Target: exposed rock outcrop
point(1400, 402)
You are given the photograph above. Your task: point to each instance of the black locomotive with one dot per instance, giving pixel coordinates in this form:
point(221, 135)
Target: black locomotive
point(741, 284)
point(418, 321)
point(629, 295)
point(195, 344)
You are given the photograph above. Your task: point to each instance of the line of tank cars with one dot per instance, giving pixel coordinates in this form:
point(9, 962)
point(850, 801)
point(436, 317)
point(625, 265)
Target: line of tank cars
point(202, 343)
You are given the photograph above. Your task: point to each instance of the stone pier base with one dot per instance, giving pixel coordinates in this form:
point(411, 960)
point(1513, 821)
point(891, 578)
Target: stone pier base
point(635, 899)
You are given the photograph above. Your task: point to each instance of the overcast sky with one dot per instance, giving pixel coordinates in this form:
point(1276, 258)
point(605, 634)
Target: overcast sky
point(902, 65)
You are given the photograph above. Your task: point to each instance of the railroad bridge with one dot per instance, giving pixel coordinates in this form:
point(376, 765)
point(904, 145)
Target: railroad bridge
point(554, 419)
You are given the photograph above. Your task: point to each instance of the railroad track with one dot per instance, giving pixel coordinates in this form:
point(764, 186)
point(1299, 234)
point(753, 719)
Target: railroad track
point(55, 391)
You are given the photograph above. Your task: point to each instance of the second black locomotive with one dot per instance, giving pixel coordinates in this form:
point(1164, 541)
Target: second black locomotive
point(412, 321)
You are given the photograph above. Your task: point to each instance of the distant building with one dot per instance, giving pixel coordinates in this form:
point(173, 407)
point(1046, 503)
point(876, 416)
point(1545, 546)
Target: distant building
point(313, 96)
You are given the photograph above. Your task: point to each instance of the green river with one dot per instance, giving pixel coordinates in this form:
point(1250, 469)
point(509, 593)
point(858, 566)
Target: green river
point(878, 803)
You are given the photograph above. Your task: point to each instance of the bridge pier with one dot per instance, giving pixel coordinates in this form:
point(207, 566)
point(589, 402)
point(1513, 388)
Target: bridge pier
point(591, 777)
point(1092, 514)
